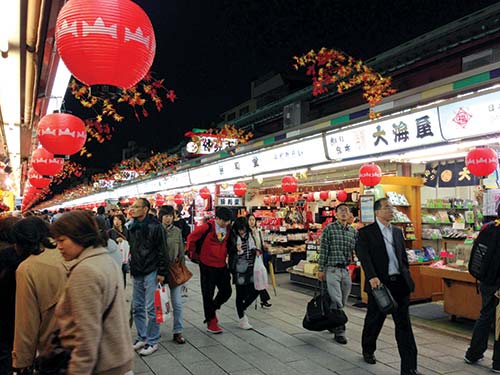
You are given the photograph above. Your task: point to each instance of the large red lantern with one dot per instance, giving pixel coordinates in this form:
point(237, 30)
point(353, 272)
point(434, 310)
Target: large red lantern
point(370, 174)
point(323, 195)
point(37, 180)
point(240, 189)
point(62, 133)
point(105, 42)
point(205, 192)
point(342, 196)
point(178, 199)
point(289, 184)
point(45, 163)
point(481, 162)
point(159, 200)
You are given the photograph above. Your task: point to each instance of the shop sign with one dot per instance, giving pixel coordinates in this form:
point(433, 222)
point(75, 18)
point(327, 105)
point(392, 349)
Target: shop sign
point(397, 134)
point(205, 144)
point(295, 155)
point(104, 184)
point(229, 201)
point(471, 117)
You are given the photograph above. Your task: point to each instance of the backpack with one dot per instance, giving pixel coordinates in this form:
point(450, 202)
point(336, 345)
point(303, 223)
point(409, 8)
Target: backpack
point(195, 256)
point(484, 262)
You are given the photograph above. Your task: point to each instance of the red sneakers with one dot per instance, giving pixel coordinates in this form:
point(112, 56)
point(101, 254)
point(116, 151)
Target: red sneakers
point(213, 327)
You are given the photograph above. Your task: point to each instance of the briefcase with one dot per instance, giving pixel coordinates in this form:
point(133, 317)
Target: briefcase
point(384, 299)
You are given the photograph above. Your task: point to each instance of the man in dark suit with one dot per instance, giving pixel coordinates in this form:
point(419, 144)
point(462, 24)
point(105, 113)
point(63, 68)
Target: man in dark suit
point(382, 252)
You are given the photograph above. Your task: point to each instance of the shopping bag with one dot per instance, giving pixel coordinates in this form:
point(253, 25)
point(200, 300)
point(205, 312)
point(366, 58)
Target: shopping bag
point(384, 299)
point(162, 304)
point(259, 274)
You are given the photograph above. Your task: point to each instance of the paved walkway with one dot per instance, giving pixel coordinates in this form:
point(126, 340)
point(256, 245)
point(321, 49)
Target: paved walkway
point(279, 345)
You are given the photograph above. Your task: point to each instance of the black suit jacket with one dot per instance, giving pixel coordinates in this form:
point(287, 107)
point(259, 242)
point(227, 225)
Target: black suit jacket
point(371, 251)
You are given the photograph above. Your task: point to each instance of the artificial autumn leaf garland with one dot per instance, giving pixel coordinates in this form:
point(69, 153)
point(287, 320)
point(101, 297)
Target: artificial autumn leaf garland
point(333, 67)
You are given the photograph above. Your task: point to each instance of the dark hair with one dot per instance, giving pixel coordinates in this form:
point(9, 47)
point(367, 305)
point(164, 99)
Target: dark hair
point(223, 213)
point(80, 226)
point(120, 217)
point(145, 202)
point(165, 211)
point(343, 205)
point(241, 223)
point(378, 204)
point(30, 233)
point(101, 210)
point(7, 229)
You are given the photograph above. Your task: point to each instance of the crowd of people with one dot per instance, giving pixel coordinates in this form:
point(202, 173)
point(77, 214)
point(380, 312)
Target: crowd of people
point(62, 281)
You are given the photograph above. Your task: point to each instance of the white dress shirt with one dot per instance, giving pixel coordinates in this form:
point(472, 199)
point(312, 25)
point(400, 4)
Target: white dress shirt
point(391, 249)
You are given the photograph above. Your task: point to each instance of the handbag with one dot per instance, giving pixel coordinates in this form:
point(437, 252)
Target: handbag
point(384, 299)
point(178, 273)
point(320, 315)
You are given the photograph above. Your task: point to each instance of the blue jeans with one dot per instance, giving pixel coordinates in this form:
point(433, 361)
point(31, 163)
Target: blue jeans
point(143, 301)
point(176, 300)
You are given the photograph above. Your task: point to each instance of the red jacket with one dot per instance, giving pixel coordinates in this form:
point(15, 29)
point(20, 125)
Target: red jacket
point(213, 252)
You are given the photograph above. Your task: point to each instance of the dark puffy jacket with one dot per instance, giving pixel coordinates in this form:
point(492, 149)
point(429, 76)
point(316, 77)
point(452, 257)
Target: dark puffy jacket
point(148, 246)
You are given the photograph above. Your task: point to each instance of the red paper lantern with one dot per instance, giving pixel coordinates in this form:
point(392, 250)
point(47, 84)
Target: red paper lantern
point(44, 162)
point(105, 42)
point(62, 133)
point(342, 196)
point(37, 180)
point(310, 197)
point(323, 195)
point(240, 189)
point(370, 174)
point(481, 162)
point(290, 199)
point(289, 184)
point(283, 198)
point(205, 193)
point(275, 199)
point(178, 199)
point(159, 200)
point(267, 200)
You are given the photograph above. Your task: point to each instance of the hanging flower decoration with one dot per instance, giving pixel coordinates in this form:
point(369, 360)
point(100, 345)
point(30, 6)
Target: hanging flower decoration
point(333, 67)
point(71, 169)
point(149, 90)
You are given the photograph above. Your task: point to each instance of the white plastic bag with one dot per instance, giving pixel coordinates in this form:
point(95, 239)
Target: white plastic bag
point(125, 250)
point(162, 304)
point(259, 274)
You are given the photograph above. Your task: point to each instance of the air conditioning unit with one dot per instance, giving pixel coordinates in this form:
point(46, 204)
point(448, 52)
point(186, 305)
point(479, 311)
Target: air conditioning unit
point(295, 114)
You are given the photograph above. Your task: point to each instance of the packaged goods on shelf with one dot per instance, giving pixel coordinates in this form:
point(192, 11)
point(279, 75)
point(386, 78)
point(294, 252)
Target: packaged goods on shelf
point(397, 199)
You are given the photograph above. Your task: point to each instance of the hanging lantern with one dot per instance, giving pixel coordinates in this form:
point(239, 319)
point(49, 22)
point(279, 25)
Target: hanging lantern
point(240, 189)
point(289, 184)
point(316, 196)
point(370, 174)
point(310, 197)
point(159, 200)
point(178, 199)
point(332, 195)
point(275, 199)
point(342, 196)
point(481, 162)
point(44, 162)
point(205, 193)
point(323, 195)
point(290, 199)
point(37, 180)
point(267, 200)
point(283, 198)
point(105, 42)
point(62, 133)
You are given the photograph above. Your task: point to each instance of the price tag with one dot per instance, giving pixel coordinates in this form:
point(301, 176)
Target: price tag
point(286, 258)
point(458, 225)
point(282, 229)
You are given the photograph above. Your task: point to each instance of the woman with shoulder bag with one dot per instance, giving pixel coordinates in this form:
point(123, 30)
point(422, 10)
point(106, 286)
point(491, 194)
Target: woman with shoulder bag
point(259, 242)
point(242, 252)
point(175, 253)
point(91, 315)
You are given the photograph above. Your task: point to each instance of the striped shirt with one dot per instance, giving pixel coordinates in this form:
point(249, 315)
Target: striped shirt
point(337, 245)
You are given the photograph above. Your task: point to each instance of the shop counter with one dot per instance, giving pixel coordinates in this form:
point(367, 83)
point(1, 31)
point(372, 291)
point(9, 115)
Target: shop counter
point(426, 288)
point(461, 298)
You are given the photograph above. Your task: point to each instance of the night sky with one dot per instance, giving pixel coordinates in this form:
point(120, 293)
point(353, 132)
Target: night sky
point(209, 51)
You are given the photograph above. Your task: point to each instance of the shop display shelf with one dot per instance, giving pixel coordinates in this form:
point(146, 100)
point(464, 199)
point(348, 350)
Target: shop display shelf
point(283, 261)
point(448, 208)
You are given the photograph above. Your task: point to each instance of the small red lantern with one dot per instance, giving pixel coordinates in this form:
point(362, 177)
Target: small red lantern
point(62, 133)
point(482, 162)
point(310, 197)
point(290, 199)
point(205, 193)
point(342, 196)
point(283, 198)
point(370, 174)
point(105, 42)
point(275, 199)
point(323, 195)
point(178, 199)
point(289, 184)
point(44, 162)
point(267, 200)
point(240, 189)
point(37, 180)
point(159, 200)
